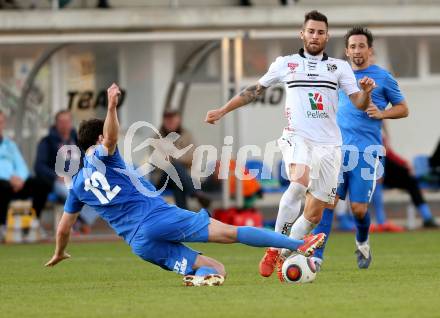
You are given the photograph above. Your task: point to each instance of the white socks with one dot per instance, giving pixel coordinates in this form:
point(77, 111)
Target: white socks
point(364, 248)
point(300, 228)
point(290, 207)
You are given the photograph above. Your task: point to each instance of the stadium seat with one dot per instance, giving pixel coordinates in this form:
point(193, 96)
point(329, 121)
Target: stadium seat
point(55, 205)
point(421, 165)
point(423, 174)
point(52, 198)
point(268, 182)
point(253, 165)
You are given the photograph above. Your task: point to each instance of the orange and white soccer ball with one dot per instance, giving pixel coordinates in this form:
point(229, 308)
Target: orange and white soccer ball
point(298, 269)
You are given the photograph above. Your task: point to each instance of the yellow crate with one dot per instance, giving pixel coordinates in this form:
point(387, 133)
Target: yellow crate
point(22, 223)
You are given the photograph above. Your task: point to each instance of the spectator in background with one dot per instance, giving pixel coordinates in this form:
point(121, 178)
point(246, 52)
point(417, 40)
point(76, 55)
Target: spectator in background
point(172, 122)
point(15, 181)
point(398, 174)
point(62, 133)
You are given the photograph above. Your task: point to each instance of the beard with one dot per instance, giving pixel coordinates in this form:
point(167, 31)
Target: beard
point(314, 49)
point(358, 61)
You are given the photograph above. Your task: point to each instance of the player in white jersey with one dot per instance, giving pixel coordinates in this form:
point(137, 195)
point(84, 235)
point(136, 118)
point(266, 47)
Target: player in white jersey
point(311, 142)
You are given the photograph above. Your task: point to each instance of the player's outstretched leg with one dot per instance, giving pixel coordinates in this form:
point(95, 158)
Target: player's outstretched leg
point(257, 237)
point(209, 272)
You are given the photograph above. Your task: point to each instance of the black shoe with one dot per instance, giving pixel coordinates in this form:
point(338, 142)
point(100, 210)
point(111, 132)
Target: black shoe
point(430, 224)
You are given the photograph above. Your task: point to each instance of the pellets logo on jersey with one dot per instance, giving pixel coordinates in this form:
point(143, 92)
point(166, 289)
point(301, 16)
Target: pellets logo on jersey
point(292, 66)
point(316, 101)
point(332, 67)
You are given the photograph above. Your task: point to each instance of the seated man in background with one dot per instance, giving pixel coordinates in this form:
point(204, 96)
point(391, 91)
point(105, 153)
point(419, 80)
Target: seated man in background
point(60, 134)
point(398, 174)
point(172, 122)
point(15, 182)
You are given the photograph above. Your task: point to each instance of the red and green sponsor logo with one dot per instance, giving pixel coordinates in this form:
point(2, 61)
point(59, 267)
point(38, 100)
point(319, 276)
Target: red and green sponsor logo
point(316, 101)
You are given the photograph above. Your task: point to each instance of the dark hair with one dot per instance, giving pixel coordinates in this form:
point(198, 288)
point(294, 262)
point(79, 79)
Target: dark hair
point(315, 15)
point(89, 131)
point(359, 30)
point(171, 113)
point(61, 112)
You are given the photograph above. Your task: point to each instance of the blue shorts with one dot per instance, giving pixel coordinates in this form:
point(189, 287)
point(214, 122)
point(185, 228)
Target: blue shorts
point(359, 180)
point(159, 238)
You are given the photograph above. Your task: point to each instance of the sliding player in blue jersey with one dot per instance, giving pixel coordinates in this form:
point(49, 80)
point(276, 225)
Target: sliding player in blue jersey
point(362, 139)
point(154, 229)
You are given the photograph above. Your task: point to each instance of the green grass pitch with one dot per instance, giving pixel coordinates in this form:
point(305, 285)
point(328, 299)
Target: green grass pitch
point(106, 280)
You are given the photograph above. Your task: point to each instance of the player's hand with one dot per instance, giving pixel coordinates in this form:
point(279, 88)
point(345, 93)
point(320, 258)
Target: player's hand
point(113, 93)
point(56, 259)
point(367, 84)
point(213, 115)
point(374, 112)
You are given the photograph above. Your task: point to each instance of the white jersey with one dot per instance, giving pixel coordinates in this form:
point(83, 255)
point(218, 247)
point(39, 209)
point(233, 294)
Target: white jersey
point(312, 94)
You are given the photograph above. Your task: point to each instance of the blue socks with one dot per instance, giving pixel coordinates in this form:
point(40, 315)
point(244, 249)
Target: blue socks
point(325, 226)
point(257, 237)
point(425, 211)
point(363, 226)
point(205, 270)
point(377, 201)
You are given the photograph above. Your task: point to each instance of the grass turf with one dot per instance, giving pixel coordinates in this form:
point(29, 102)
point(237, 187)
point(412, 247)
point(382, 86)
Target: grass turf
point(106, 280)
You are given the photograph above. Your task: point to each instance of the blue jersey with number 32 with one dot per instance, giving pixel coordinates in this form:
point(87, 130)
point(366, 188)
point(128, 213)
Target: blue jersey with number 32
point(116, 195)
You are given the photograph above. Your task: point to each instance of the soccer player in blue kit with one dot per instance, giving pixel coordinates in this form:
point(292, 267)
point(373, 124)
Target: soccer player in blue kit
point(362, 139)
point(152, 228)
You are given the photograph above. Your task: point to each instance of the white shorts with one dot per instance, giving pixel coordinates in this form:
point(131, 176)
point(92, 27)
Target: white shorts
point(324, 162)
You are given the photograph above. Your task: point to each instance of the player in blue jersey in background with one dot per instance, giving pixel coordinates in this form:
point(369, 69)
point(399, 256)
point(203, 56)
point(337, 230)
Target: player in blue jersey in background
point(154, 229)
point(362, 139)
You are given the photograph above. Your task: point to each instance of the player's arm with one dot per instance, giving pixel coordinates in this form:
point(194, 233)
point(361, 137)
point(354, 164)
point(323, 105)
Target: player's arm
point(395, 97)
point(62, 238)
point(362, 98)
point(111, 123)
point(399, 110)
point(273, 75)
point(248, 95)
